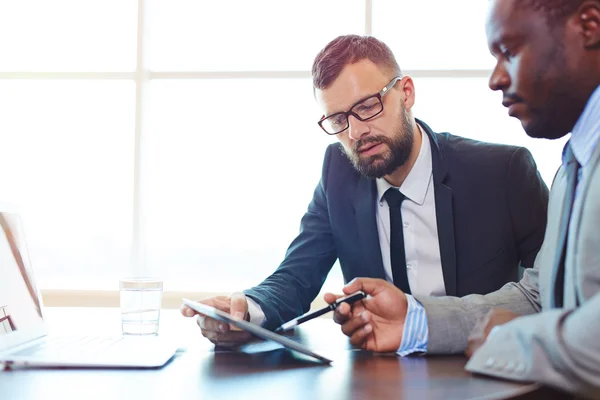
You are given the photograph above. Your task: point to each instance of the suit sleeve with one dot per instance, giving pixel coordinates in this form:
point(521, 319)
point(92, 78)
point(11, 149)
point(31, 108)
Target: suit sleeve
point(450, 320)
point(558, 348)
point(528, 205)
point(289, 291)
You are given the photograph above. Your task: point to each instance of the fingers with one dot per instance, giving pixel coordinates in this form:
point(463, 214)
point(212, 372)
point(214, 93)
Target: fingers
point(228, 339)
point(186, 311)
point(210, 324)
point(342, 313)
point(473, 343)
point(486, 327)
point(216, 302)
point(355, 323)
point(330, 297)
point(220, 333)
point(360, 335)
point(220, 302)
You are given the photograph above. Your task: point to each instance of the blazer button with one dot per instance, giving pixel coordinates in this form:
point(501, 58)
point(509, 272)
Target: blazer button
point(520, 368)
point(510, 366)
point(498, 365)
point(489, 363)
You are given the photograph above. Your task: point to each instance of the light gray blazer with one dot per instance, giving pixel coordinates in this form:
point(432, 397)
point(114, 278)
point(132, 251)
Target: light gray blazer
point(556, 347)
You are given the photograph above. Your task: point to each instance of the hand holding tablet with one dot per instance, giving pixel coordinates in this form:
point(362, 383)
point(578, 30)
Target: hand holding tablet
point(253, 329)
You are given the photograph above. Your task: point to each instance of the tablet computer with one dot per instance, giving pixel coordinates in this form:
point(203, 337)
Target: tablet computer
point(253, 329)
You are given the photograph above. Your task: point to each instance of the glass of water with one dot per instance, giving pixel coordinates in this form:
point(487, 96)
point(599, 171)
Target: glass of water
point(140, 305)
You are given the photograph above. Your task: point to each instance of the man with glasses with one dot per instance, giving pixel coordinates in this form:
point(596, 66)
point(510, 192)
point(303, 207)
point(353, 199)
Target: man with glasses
point(435, 214)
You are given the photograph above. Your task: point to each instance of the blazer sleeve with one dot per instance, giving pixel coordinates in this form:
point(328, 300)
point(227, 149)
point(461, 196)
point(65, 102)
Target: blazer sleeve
point(450, 320)
point(559, 348)
point(289, 291)
point(528, 205)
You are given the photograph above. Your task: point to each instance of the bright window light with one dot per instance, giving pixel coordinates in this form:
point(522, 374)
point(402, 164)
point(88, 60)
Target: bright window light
point(194, 157)
point(68, 35)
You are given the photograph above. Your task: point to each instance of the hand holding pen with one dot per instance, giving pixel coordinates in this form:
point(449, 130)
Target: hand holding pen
point(377, 323)
point(351, 298)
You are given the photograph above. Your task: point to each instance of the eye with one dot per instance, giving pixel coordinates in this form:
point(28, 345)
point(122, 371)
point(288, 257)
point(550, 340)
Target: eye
point(337, 120)
point(506, 52)
point(365, 107)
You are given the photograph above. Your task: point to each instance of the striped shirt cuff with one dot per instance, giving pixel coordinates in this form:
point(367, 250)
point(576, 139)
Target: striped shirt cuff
point(415, 336)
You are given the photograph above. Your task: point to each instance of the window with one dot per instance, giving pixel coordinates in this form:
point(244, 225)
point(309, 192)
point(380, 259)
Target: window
point(179, 138)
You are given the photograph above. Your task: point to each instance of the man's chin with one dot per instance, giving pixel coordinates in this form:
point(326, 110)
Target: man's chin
point(537, 131)
point(374, 167)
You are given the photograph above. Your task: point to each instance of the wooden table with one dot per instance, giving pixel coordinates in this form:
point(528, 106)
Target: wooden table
point(199, 371)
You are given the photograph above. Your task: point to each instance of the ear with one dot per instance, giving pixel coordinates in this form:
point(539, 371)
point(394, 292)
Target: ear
point(588, 16)
point(408, 89)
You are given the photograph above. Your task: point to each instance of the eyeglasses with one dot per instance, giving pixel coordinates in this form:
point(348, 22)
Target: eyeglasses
point(364, 110)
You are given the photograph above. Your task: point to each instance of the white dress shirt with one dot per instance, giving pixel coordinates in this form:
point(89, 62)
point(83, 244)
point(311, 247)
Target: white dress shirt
point(421, 244)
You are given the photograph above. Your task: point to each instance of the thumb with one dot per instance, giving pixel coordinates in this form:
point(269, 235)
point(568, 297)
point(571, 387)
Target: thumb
point(239, 305)
point(368, 285)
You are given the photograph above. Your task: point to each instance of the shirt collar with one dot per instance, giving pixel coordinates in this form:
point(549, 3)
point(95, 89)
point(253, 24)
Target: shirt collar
point(416, 183)
point(587, 130)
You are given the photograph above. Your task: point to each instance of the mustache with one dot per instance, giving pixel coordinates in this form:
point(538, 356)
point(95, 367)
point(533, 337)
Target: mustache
point(371, 139)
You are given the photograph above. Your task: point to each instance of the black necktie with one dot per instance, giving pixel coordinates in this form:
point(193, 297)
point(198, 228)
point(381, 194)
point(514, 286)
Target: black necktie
point(394, 199)
point(572, 172)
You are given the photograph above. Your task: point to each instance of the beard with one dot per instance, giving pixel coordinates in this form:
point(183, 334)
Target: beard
point(399, 148)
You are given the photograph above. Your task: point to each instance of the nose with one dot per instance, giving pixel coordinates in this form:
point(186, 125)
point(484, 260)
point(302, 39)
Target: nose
point(500, 79)
point(357, 128)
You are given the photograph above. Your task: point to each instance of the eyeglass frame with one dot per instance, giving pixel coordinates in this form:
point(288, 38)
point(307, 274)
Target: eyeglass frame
point(378, 95)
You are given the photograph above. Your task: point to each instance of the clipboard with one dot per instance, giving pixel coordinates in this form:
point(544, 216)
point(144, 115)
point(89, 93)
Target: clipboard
point(253, 329)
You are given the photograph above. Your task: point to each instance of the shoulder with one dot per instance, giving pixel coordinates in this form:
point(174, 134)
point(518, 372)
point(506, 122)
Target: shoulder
point(337, 167)
point(458, 151)
point(336, 159)
point(458, 146)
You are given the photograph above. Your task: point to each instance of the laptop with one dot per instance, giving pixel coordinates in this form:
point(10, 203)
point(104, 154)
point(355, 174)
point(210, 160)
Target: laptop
point(24, 338)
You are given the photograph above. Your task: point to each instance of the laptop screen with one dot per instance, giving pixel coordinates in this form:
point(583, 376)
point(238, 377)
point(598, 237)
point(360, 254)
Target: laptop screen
point(20, 304)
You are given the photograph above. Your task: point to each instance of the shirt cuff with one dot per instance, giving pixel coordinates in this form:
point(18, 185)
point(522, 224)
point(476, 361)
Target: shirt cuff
point(257, 316)
point(415, 336)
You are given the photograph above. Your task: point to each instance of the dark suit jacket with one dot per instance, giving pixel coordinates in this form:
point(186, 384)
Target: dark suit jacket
point(491, 206)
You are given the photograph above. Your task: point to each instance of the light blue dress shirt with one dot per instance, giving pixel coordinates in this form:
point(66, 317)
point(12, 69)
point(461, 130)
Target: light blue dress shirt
point(586, 134)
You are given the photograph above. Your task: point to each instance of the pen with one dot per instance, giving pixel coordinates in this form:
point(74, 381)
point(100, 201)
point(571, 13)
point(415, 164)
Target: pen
point(351, 298)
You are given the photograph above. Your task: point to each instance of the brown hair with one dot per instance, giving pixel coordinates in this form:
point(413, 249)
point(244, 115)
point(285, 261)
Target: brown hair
point(349, 49)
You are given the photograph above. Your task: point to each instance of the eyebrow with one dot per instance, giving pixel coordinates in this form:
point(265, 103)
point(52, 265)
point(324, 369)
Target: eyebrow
point(353, 104)
point(505, 39)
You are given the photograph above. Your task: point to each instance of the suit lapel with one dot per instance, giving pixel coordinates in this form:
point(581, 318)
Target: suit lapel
point(364, 203)
point(444, 214)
